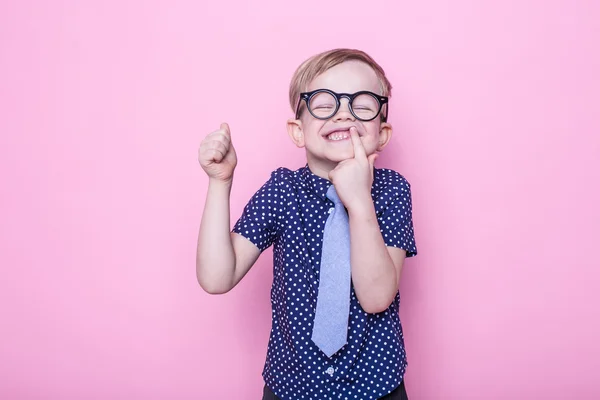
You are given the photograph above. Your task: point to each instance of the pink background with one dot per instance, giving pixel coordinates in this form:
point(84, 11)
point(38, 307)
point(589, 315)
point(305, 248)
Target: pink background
point(103, 105)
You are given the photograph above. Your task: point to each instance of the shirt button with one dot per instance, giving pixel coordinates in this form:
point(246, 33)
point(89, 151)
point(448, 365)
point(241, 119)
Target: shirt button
point(330, 371)
point(331, 210)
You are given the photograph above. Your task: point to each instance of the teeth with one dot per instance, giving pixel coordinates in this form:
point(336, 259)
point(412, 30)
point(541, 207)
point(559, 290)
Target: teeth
point(339, 135)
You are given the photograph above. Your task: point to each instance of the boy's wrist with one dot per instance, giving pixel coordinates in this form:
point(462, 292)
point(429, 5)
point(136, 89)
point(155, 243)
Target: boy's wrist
point(361, 208)
point(220, 183)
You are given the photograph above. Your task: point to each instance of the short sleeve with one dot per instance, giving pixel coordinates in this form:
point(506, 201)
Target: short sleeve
point(396, 219)
point(258, 222)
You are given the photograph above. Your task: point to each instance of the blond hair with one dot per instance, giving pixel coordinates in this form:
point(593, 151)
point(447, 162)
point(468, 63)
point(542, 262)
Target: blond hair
point(317, 64)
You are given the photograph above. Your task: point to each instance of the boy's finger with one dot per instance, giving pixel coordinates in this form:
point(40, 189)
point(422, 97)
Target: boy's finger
point(359, 150)
point(220, 136)
point(219, 155)
point(225, 129)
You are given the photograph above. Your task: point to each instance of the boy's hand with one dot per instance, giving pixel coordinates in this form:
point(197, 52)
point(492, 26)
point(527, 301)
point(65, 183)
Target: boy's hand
point(217, 155)
point(353, 177)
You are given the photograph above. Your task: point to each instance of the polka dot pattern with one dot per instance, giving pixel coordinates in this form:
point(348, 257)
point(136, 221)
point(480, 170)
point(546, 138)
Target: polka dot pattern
point(289, 212)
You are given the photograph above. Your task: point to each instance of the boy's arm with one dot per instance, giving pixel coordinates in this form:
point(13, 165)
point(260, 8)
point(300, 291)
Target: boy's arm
point(376, 268)
point(222, 258)
point(376, 265)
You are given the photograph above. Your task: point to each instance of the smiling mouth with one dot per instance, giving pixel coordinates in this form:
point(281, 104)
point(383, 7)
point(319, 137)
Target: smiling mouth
point(338, 135)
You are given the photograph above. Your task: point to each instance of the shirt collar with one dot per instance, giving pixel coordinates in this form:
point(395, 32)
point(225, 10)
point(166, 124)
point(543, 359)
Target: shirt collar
point(319, 186)
point(315, 183)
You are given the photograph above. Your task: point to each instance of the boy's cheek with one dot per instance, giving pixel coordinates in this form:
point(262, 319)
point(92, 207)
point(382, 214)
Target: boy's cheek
point(370, 143)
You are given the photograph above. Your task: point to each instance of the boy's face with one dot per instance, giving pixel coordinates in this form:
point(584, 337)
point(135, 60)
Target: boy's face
point(323, 150)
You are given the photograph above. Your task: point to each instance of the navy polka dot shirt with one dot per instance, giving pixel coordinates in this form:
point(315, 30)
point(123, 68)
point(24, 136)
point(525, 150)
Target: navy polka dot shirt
point(289, 212)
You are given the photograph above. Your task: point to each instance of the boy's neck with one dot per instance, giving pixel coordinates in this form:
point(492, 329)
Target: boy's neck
point(321, 169)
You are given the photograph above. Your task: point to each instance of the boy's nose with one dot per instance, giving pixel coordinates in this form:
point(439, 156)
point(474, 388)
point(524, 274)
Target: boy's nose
point(344, 112)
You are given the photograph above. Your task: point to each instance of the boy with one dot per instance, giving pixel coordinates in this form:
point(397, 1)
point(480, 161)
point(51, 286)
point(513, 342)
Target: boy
point(341, 230)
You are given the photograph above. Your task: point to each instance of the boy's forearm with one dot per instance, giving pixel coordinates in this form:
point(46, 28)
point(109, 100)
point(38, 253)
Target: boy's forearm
point(215, 257)
point(373, 272)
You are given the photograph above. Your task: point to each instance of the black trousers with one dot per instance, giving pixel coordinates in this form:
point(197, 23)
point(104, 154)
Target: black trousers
point(398, 394)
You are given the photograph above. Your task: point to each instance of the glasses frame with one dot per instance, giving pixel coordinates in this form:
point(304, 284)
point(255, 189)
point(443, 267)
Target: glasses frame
point(307, 96)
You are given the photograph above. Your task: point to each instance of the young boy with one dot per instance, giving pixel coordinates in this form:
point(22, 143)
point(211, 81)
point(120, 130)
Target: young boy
point(341, 230)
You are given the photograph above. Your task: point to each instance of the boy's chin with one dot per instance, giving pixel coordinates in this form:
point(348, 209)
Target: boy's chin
point(331, 160)
point(338, 158)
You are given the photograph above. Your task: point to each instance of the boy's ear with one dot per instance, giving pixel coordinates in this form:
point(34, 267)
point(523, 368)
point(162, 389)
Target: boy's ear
point(294, 128)
point(385, 134)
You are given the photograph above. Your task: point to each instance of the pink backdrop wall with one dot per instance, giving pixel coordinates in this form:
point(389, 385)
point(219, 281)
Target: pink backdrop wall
point(103, 105)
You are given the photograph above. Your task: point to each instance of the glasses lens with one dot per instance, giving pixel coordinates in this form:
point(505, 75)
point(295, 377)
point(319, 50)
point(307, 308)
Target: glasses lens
point(365, 106)
point(323, 105)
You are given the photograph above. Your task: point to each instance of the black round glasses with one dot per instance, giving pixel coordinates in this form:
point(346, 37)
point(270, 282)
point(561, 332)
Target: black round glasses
point(324, 104)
